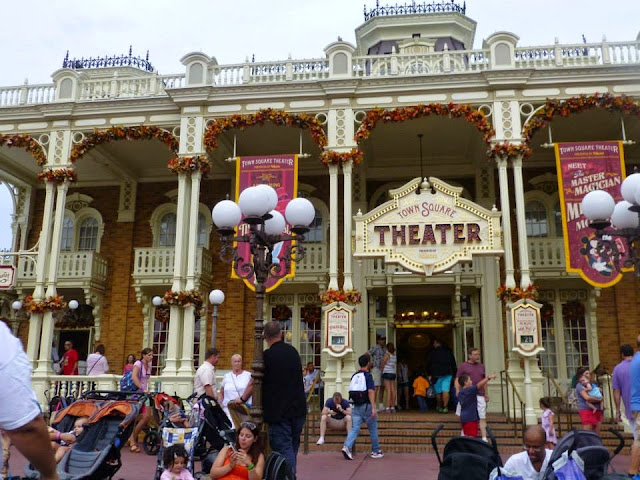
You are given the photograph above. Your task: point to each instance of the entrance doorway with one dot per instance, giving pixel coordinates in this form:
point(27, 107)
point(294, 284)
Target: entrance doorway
point(414, 344)
point(81, 339)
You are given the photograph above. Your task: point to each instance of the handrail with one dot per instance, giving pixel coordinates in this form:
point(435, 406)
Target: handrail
point(310, 409)
point(505, 381)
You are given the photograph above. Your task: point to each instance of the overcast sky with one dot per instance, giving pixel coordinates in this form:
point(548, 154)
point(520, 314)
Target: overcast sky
point(37, 33)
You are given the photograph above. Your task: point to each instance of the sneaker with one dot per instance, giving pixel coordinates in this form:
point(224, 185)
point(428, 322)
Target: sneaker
point(347, 453)
point(445, 410)
point(320, 441)
point(484, 439)
point(377, 454)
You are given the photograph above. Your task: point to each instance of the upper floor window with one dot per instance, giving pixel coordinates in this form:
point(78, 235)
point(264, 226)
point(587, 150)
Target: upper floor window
point(167, 237)
point(536, 218)
point(316, 229)
point(88, 239)
point(66, 243)
point(203, 233)
point(557, 212)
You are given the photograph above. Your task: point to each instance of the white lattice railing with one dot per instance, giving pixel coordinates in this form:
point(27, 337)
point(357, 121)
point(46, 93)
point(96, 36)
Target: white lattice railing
point(80, 266)
point(315, 259)
point(546, 254)
point(157, 264)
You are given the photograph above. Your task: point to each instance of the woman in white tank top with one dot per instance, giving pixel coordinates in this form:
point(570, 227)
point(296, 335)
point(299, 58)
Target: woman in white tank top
point(389, 377)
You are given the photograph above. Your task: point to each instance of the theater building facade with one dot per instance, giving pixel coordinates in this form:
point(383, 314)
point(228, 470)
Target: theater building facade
point(430, 165)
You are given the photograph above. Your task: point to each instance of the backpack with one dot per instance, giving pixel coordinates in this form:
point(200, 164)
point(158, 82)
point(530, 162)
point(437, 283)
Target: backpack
point(358, 389)
point(126, 382)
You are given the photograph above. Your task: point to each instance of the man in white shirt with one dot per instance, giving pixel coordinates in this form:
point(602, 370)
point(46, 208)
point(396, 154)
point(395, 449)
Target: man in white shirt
point(532, 463)
point(20, 415)
point(205, 379)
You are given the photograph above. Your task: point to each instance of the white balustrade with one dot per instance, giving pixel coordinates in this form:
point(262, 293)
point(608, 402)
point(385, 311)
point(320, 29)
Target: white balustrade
point(72, 266)
point(546, 254)
point(156, 264)
point(315, 259)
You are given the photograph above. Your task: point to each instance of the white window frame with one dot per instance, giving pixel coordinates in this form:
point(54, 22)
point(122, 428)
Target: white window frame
point(549, 202)
point(159, 213)
point(77, 218)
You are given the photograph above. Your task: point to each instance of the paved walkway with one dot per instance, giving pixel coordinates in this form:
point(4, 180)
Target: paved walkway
point(316, 466)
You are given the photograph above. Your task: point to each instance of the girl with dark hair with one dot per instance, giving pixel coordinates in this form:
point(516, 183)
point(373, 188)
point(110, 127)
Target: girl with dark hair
point(140, 377)
point(242, 461)
point(175, 464)
point(128, 365)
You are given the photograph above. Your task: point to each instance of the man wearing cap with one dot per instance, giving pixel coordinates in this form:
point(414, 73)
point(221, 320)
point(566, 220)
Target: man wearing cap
point(377, 355)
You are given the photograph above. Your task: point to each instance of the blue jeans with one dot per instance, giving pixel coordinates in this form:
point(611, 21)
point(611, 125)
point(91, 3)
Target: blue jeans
point(359, 414)
point(284, 437)
point(422, 403)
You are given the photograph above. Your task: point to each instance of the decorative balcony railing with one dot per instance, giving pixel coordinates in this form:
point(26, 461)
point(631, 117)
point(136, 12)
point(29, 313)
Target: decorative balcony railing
point(75, 269)
point(369, 66)
point(315, 259)
point(154, 266)
point(546, 254)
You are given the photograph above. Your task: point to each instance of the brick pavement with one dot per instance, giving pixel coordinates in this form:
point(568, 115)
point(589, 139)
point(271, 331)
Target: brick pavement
point(316, 466)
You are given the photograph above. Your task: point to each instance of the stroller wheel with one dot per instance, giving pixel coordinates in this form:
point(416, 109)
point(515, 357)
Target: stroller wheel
point(151, 443)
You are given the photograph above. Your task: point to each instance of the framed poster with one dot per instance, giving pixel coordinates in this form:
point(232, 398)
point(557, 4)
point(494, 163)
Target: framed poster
point(525, 327)
point(338, 318)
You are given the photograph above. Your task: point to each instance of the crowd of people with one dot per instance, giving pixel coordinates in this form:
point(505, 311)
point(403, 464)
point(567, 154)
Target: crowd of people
point(373, 389)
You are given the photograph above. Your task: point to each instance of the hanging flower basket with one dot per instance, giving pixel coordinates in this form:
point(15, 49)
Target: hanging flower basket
point(26, 142)
point(141, 132)
point(48, 304)
point(506, 149)
point(510, 295)
point(58, 175)
point(350, 297)
point(183, 298)
point(190, 164)
point(329, 157)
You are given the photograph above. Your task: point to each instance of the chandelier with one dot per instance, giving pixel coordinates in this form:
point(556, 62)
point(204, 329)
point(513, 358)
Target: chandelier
point(616, 225)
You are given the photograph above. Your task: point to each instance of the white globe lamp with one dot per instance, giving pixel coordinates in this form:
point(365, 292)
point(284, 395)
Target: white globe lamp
point(275, 225)
point(216, 297)
point(300, 212)
point(254, 201)
point(16, 305)
point(629, 187)
point(226, 214)
point(622, 217)
point(598, 205)
point(156, 301)
point(73, 304)
point(271, 193)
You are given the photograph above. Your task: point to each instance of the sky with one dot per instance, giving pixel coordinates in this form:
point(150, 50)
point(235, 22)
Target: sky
point(36, 34)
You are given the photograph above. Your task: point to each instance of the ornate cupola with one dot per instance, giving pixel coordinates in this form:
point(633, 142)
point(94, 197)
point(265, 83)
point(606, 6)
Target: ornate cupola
point(415, 28)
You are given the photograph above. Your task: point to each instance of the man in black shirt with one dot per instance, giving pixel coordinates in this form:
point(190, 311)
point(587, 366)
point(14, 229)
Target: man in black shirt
point(441, 366)
point(285, 406)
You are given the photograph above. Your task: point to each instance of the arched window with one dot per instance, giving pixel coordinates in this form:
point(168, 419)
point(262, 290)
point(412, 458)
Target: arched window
point(167, 237)
point(557, 212)
point(316, 229)
point(202, 230)
point(88, 238)
point(536, 217)
point(66, 244)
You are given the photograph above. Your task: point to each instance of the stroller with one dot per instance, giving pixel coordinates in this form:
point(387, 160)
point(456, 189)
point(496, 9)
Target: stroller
point(214, 423)
point(588, 446)
point(96, 453)
point(466, 457)
point(172, 435)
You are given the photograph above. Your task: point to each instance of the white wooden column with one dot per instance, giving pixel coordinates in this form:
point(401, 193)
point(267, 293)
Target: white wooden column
point(348, 226)
point(46, 337)
point(179, 269)
point(333, 227)
point(521, 222)
point(186, 364)
point(35, 321)
point(506, 222)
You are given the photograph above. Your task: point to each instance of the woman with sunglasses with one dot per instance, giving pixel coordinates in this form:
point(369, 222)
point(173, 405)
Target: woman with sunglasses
point(243, 460)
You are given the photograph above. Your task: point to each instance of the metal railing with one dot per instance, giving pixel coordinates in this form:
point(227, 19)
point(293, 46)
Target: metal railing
point(513, 403)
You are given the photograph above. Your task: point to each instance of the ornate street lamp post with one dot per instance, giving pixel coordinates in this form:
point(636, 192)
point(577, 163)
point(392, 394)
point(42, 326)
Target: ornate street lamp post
point(216, 297)
point(603, 212)
point(265, 228)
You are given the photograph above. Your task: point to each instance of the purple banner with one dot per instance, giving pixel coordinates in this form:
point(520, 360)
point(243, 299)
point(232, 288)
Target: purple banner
point(281, 173)
point(582, 168)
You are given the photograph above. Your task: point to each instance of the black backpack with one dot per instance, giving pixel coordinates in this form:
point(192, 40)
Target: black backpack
point(358, 392)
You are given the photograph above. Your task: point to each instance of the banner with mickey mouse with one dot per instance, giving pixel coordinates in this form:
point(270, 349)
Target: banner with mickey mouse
point(583, 167)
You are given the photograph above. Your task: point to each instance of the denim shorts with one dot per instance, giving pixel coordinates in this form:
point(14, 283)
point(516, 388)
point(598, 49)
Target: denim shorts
point(389, 376)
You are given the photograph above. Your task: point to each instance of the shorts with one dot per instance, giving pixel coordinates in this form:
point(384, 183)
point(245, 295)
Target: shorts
point(334, 424)
point(403, 384)
point(590, 417)
point(482, 407)
point(635, 428)
point(18, 402)
point(470, 429)
point(443, 384)
point(376, 373)
point(389, 376)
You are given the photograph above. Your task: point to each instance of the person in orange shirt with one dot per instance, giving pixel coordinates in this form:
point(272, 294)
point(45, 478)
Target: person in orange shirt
point(420, 385)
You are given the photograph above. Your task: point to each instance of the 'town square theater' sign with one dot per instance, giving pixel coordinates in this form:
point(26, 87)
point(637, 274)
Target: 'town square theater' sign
point(430, 231)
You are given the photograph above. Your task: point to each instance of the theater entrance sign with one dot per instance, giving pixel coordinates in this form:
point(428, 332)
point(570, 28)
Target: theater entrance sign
point(428, 232)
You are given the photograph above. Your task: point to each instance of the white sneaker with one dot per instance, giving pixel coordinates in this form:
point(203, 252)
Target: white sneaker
point(377, 454)
point(347, 453)
point(320, 441)
point(484, 439)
